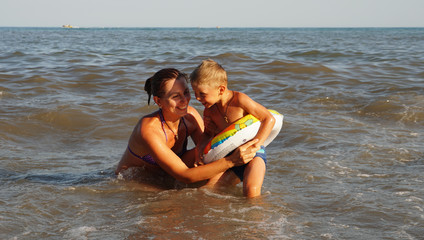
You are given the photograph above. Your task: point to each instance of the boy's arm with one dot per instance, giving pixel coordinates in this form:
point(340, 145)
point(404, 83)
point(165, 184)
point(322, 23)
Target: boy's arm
point(207, 136)
point(261, 113)
point(196, 126)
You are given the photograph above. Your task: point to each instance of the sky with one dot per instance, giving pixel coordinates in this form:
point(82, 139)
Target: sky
point(217, 13)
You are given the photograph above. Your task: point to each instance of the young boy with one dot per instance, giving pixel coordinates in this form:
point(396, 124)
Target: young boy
point(223, 107)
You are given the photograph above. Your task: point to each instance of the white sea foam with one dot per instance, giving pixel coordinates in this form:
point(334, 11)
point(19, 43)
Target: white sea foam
point(403, 193)
point(80, 232)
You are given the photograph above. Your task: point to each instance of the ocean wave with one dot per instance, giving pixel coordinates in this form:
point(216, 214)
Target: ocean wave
point(404, 109)
point(37, 79)
point(129, 63)
point(318, 54)
point(12, 55)
point(283, 67)
point(67, 179)
point(82, 69)
point(80, 232)
point(66, 118)
point(230, 56)
point(6, 77)
point(92, 76)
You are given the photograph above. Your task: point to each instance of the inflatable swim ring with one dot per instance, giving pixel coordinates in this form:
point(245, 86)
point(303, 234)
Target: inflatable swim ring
point(238, 133)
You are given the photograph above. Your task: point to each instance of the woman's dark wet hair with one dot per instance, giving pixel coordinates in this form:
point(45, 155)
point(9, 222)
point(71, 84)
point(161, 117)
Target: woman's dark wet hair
point(154, 84)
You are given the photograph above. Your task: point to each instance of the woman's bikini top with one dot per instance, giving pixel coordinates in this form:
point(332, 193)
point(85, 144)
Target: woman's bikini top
point(148, 158)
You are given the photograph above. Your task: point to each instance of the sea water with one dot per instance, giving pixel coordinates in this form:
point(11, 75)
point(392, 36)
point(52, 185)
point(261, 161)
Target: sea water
point(348, 163)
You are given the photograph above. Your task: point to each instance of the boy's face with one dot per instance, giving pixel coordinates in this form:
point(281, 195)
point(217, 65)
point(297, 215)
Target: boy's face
point(207, 95)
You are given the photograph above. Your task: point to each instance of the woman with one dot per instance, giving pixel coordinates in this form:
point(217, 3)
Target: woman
point(158, 143)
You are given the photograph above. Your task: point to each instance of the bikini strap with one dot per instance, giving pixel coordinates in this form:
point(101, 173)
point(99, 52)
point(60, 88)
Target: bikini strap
point(147, 158)
point(162, 120)
point(185, 125)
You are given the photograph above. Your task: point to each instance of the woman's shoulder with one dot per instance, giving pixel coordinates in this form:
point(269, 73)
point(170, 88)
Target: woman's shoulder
point(191, 110)
point(192, 114)
point(149, 122)
point(193, 117)
point(154, 114)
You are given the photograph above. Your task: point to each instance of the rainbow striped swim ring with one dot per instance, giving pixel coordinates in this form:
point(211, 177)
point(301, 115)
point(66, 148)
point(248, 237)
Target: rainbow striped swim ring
point(238, 133)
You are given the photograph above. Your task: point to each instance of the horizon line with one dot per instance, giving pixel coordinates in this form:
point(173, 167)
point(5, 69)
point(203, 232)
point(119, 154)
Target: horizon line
point(216, 27)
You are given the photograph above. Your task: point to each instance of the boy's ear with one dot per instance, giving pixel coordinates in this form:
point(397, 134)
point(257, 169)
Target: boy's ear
point(221, 89)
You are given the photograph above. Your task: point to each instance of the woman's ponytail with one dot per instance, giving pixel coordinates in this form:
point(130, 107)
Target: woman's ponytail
point(148, 89)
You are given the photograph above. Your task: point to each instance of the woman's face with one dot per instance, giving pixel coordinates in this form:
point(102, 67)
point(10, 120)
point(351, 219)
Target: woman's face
point(176, 96)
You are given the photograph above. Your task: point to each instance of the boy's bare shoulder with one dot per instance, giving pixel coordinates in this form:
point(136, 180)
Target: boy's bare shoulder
point(241, 98)
point(240, 95)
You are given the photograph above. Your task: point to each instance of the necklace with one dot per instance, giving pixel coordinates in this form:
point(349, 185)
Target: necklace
point(175, 135)
point(226, 109)
point(162, 119)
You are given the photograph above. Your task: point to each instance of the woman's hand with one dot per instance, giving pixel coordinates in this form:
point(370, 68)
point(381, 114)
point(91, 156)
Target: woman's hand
point(245, 153)
point(198, 157)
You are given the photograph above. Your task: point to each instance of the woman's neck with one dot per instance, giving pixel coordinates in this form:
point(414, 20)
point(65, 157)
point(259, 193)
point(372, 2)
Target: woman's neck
point(170, 118)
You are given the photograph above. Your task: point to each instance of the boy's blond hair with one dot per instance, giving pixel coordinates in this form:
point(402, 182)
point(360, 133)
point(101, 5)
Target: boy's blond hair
point(209, 72)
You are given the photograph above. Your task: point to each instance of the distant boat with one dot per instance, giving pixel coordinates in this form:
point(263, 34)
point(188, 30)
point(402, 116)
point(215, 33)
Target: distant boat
point(69, 26)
